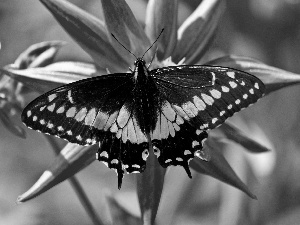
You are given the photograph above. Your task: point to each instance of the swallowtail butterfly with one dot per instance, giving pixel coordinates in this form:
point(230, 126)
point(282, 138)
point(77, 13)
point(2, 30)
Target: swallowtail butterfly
point(170, 109)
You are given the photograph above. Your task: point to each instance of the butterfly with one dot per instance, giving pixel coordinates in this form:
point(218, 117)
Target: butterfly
point(170, 109)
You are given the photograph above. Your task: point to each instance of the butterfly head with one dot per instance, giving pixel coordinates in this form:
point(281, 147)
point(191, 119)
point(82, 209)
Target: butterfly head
point(140, 70)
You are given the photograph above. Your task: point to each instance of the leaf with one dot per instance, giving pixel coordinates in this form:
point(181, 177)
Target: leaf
point(121, 22)
point(149, 188)
point(71, 160)
point(236, 135)
point(196, 33)
point(11, 125)
point(219, 168)
point(88, 32)
point(273, 78)
point(46, 78)
point(38, 55)
point(162, 15)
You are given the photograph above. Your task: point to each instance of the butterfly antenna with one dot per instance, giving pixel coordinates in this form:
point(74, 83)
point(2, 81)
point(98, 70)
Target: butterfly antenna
point(152, 58)
point(123, 45)
point(162, 30)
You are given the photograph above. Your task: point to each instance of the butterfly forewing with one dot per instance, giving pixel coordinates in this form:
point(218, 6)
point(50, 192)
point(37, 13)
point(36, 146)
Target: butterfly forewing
point(81, 111)
point(206, 95)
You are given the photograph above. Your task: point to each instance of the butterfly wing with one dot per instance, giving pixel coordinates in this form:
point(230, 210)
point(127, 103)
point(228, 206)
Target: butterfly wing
point(197, 98)
point(79, 111)
point(94, 110)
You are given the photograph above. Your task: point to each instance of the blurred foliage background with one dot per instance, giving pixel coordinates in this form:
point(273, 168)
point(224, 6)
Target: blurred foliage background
point(268, 30)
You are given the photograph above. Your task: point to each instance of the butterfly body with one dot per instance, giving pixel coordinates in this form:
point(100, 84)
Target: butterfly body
point(169, 108)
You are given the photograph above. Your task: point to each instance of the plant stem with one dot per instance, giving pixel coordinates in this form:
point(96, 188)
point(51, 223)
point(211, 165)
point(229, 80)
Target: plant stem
point(87, 205)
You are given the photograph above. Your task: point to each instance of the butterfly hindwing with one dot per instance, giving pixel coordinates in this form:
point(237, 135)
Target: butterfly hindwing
point(174, 140)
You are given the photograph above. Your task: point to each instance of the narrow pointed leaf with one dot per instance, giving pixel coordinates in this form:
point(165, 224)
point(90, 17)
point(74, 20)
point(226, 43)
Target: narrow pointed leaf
point(11, 125)
point(219, 168)
point(162, 15)
point(121, 22)
point(196, 33)
point(273, 78)
point(46, 78)
point(38, 55)
point(88, 32)
point(236, 135)
point(71, 160)
point(149, 189)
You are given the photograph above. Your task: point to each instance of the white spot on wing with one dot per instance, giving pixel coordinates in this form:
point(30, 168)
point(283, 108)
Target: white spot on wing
point(81, 114)
point(215, 93)
point(114, 128)
point(70, 96)
point(214, 120)
point(114, 161)
point(110, 120)
point(164, 128)
point(100, 120)
point(79, 138)
point(199, 103)
point(190, 109)
point(187, 152)
point(71, 112)
point(34, 118)
point(256, 86)
point(225, 89)
point(231, 74)
point(232, 84)
point(179, 120)
point(171, 129)
point(51, 97)
point(207, 99)
point(125, 134)
point(123, 117)
point(51, 107)
point(145, 154)
point(104, 154)
point(90, 117)
point(156, 151)
point(168, 111)
point(50, 125)
point(238, 101)
point(29, 113)
point(251, 91)
point(60, 109)
point(195, 143)
point(60, 128)
point(181, 112)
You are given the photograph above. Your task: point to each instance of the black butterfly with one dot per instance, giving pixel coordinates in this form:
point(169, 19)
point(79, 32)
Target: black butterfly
point(171, 107)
